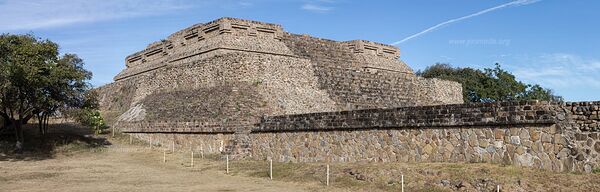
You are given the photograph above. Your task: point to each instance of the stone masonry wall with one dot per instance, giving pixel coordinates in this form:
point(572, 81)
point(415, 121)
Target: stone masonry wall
point(581, 128)
point(551, 136)
point(268, 78)
point(475, 114)
point(292, 74)
point(493, 144)
point(359, 76)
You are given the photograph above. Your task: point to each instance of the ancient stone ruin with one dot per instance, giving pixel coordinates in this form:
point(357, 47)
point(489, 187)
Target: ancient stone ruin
point(251, 90)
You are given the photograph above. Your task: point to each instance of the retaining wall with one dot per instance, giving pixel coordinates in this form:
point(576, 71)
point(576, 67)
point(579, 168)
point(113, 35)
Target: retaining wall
point(551, 136)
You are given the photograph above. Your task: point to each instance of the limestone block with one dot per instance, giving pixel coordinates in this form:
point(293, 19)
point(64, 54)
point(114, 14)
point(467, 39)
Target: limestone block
point(516, 140)
point(524, 159)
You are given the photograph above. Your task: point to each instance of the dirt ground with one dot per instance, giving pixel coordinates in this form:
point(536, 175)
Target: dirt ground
point(72, 159)
point(68, 160)
point(127, 169)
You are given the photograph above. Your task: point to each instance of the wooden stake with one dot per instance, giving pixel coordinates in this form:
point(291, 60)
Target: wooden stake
point(192, 159)
point(327, 175)
point(113, 131)
point(164, 156)
point(227, 162)
point(402, 180)
point(173, 146)
point(271, 168)
point(202, 151)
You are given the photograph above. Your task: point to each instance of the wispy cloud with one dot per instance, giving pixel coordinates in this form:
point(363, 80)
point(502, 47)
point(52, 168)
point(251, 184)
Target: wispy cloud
point(448, 22)
point(316, 8)
point(27, 15)
point(559, 70)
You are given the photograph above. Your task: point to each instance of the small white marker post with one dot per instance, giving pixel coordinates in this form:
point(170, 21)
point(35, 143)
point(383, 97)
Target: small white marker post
point(271, 168)
point(227, 162)
point(327, 175)
point(130, 139)
point(164, 156)
point(402, 180)
point(192, 159)
point(113, 131)
point(498, 188)
point(173, 146)
point(202, 150)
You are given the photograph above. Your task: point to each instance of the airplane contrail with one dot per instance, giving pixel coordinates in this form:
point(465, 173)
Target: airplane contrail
point(510, 4)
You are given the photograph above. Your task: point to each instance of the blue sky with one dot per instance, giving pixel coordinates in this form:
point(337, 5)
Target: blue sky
point(554, 43)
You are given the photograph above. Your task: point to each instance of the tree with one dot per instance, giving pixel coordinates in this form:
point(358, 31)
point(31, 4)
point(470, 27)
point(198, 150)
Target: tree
point(35, 81)
point(66, 87)
point(489, 85)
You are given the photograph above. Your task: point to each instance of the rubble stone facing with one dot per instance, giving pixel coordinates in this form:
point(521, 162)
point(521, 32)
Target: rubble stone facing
point(551, 136)
point(476, 114)
point(293, 74)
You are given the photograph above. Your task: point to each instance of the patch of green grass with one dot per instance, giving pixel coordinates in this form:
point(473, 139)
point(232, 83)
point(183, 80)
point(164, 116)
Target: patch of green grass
point(596, 170)
point(455, 166)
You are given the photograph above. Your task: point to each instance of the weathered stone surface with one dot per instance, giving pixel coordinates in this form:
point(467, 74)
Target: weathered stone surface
point(287, 73)
point(515, 140)
point(525, 159)
point(251, 90)
point(546, 138)
point(368, 140)
point(521, 150)
point(499, 134)
point(535, 136)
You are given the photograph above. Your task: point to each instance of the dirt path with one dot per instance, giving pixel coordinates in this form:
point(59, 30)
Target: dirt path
point(126, 168)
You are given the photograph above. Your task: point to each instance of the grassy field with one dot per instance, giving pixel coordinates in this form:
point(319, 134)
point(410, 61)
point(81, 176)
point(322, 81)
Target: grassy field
point(71, 160)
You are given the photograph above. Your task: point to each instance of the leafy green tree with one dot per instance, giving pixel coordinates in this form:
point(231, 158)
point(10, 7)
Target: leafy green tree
point(35, 81)
point(489, 85)
point(66, 87)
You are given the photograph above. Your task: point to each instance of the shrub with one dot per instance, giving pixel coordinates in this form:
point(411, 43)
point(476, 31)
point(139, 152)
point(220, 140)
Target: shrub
point(90, 117)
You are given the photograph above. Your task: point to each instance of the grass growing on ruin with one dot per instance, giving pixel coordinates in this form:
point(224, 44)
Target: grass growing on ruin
point(418, 176)
point(378, 176)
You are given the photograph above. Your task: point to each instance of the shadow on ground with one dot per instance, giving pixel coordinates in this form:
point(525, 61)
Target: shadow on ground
point(59, 137)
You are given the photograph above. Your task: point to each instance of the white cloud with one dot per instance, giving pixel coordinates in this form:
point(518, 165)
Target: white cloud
point(316, 8)
point(446, 58)
point(320, 6)
point(23, 15)
point(245, 4)
point(560, 71)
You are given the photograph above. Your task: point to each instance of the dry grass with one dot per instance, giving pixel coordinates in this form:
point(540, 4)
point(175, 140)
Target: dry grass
point(424, 176)
point(79, 165)
point(121, 167)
